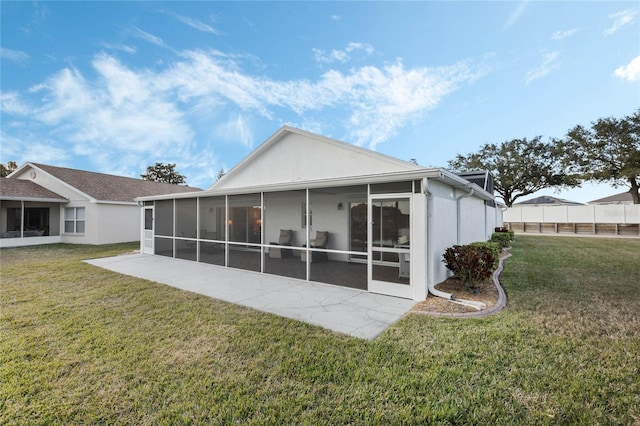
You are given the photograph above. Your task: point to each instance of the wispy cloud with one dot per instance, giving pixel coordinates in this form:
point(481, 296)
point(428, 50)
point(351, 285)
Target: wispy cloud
point(631, 71)
point(548, 65)
point(11, 103)
point(515, 15)
point(146, 112)
point(121, 47)
point(336, 18)
point(341, 55)
point(620, 19)
point(561, 35)
point(14, 55)
point(194, 23)
point(149, 38)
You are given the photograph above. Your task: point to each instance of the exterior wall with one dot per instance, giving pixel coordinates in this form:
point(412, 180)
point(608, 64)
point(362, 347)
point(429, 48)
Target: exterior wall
point(419, 260)
point(441, 230)
point(116, 223)
point(472, 220)
point(298, 157)
point(493, 219)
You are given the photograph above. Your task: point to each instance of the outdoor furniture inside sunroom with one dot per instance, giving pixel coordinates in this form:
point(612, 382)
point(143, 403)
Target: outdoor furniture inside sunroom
point(320, 242)
point(286, 236)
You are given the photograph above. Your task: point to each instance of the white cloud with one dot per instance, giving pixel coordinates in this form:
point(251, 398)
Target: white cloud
point(14, 55)
point(341, 55)
point(631, 71)
point(620, 19)
point(549, 64)
point(159, 115)
point(336, 17)
point(561, 35)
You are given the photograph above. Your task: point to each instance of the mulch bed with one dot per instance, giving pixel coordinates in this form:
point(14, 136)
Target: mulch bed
point(486, 293)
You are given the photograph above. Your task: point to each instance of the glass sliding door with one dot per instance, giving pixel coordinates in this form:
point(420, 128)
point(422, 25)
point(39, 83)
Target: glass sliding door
point(244, 226)
point(390, 245)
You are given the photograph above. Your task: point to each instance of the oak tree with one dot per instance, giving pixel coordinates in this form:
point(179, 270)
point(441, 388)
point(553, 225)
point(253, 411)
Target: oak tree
point(519, 167)
point(608, 151)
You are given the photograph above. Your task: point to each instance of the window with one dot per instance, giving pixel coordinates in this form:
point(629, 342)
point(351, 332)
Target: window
point(74, 220)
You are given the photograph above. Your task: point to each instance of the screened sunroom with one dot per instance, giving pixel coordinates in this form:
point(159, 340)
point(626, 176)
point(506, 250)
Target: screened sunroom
point(359, 219)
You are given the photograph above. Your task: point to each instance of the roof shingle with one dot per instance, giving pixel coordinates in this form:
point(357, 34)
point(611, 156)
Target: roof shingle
point(19, 189)
point(104, 187)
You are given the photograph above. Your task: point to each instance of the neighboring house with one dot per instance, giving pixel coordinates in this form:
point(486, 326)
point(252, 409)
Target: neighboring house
point(42, 204)
point(309, 207)
point(547, 200)
point(621, 198)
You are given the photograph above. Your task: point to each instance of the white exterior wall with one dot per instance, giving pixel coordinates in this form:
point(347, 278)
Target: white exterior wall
point(117, 223)
point(419, 261)
point(441, 230)
point(472, 220)
point(300, 157)
point(493, 220)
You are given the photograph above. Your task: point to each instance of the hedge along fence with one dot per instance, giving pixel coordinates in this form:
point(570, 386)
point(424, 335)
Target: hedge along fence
point(596, 219)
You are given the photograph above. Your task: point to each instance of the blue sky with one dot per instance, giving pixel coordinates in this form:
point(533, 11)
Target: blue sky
point(116, 86)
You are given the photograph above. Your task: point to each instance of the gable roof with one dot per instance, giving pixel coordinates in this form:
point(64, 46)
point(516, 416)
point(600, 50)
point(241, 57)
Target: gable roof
point(621, 198)
point(25, 190)
point(294, 155)
point(104, 187)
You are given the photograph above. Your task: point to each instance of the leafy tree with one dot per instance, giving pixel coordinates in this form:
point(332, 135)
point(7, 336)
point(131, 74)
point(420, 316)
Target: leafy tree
point(607, 152)
point(6, 170)
point(519, 167)
point(164, 173)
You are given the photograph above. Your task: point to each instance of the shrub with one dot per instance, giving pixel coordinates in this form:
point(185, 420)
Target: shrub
point(505, 230)
point(495, 247)
point(504, 238)
point(471, 264)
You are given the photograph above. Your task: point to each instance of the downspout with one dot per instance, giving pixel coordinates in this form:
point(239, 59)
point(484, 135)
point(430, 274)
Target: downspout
point(430, 282)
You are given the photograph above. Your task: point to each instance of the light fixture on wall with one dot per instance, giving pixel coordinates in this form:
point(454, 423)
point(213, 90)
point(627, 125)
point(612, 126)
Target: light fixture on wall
point(340, 207)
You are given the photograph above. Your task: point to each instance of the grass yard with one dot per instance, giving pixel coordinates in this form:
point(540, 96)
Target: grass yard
point(82, 345)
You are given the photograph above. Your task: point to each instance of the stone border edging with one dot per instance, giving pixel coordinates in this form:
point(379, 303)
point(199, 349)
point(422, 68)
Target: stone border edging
point(500, 304)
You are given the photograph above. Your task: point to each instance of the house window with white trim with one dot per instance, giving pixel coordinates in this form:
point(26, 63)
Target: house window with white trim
point(74, 220)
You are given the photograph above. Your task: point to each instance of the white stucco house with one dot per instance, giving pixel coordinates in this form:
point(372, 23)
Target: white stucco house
point(313, 208)
point(42, 204)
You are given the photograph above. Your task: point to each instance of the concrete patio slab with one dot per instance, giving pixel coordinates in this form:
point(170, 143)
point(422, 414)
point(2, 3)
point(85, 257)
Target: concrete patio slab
point(345, 310)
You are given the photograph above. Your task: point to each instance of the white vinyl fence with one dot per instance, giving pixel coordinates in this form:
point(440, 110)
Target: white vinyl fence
point(605, 219)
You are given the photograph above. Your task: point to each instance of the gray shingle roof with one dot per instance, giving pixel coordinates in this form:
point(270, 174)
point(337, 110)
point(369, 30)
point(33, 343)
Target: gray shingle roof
point(19, 189)
point(547, 199)
point(104, 187)
point(616, 198)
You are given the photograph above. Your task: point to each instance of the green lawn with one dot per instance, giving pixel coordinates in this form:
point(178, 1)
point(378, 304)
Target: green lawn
point(82, 345)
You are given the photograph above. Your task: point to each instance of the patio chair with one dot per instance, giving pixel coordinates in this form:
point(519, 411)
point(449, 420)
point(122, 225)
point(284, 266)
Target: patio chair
point(286, 235)
point(320, 241)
